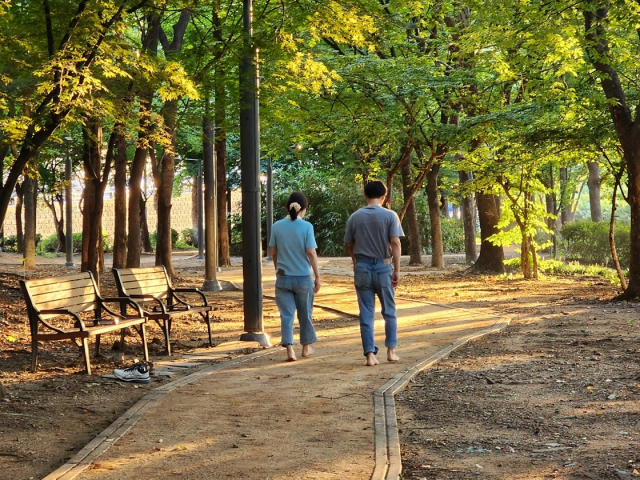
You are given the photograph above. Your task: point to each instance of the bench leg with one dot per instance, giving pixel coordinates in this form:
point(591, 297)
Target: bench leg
point(34, 356)
point(98, 345)
point(122, 339)
point(85, 352)
point(167, 335)
point(207, 318)
point(143, 334)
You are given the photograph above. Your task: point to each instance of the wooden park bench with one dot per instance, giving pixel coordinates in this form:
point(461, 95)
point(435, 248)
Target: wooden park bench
point(70, 307)
point(152, 289)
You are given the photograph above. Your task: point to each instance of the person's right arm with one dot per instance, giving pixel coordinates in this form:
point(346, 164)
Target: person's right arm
point(350, 249)
point(274, 256)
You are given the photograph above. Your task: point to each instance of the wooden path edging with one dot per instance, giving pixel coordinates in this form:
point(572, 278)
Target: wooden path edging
point(388, 460)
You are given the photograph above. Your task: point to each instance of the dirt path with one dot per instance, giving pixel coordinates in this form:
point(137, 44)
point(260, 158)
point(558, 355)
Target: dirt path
point(555, 396)
point(317, 411)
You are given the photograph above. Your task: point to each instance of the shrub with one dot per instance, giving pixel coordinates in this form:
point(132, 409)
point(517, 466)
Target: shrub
point(153, 237)
point(588, 242)
point(48, 245)
point(452, 235)
point(11, 244)
point(77, 242)
point(187, 236)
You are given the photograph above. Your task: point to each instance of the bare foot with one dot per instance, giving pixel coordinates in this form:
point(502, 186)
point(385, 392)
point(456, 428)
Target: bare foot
point(371, 359)
point(391, 355)
point(307, 350)
point(291, 354)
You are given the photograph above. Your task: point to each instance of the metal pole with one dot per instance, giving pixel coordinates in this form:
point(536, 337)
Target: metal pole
point(250, 165)
point(269, 202)
point(211, 283)
point(68, 200)
point(200, 207)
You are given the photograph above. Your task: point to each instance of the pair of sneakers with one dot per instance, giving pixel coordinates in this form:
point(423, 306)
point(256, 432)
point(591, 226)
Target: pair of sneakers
point(136, 373)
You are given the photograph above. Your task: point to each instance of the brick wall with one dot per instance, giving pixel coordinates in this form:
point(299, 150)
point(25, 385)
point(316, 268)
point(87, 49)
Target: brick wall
point(180, 217)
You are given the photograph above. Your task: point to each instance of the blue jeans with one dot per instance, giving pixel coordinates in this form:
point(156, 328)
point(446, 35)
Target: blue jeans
point(295, 293)
point(373, 277)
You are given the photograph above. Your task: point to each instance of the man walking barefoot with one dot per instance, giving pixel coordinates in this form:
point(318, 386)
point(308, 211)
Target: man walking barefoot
point(372, 237)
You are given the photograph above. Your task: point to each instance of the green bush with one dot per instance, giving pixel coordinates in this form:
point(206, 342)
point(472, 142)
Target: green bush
point(48, 245)
point(452, 235)
point(153, 237)
point(77, 242)
point(11, 244)
point(588, 242)
point(187, 236)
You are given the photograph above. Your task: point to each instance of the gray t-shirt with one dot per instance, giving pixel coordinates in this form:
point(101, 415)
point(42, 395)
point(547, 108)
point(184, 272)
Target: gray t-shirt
point(370, 229)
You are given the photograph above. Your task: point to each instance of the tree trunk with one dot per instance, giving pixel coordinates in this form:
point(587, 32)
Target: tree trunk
point(444, 206)
point(437, 250)
point(627, 128)
point(19, 229)
point(567, 212)
point(146, 126)
point(468, 218)
point(165, 176)
point(491, 258)
point(612, 241)
point(552, 210)
point(30, 185)
point(633, 168)
point(594, 183)
point(134, 240)
point(194, 211)
point(92, 247)
point(3, 153)
point(413, 228)
point(58, 223)
point(224, 239)
point(145, 237)
point(525, 256)
point(120, 204)
point(165, 172)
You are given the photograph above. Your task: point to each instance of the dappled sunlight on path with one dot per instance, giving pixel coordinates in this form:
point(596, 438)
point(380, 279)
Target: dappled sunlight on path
point(261, 417)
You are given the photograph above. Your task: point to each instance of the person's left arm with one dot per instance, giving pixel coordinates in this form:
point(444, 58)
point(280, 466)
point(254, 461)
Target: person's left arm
point(396, 250)
point(313, 259)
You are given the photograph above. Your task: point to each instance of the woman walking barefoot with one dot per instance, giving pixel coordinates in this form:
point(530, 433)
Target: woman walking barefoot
point(293, 249)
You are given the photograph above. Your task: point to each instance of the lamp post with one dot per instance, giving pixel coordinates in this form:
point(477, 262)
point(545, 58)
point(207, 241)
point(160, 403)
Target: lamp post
point(68, 200)
point(250, 165)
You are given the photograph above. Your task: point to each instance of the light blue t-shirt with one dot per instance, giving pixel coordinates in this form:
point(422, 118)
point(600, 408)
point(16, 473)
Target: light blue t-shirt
point(292, 238)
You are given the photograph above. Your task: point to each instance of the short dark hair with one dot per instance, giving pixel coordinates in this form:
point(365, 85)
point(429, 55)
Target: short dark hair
point(375, 189)
point(298, 198)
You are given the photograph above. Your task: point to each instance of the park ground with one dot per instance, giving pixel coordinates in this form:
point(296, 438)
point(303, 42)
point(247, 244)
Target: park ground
point(555, 395)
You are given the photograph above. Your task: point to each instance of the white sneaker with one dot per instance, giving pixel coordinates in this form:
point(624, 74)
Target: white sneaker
point(136, 373)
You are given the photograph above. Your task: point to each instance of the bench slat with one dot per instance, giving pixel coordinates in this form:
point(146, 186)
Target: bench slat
point(87, 307)
point(81, 294)
point(128, 276)
point(62, 287)
point(36, 282)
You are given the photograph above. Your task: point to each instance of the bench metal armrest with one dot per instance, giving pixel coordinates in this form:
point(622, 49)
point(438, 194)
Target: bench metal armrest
point(128, 300)
point(59, 311)
point(148, 296)
point(190, 290)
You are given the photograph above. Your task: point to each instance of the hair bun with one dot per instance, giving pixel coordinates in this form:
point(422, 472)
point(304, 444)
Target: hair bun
point(295, 205)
